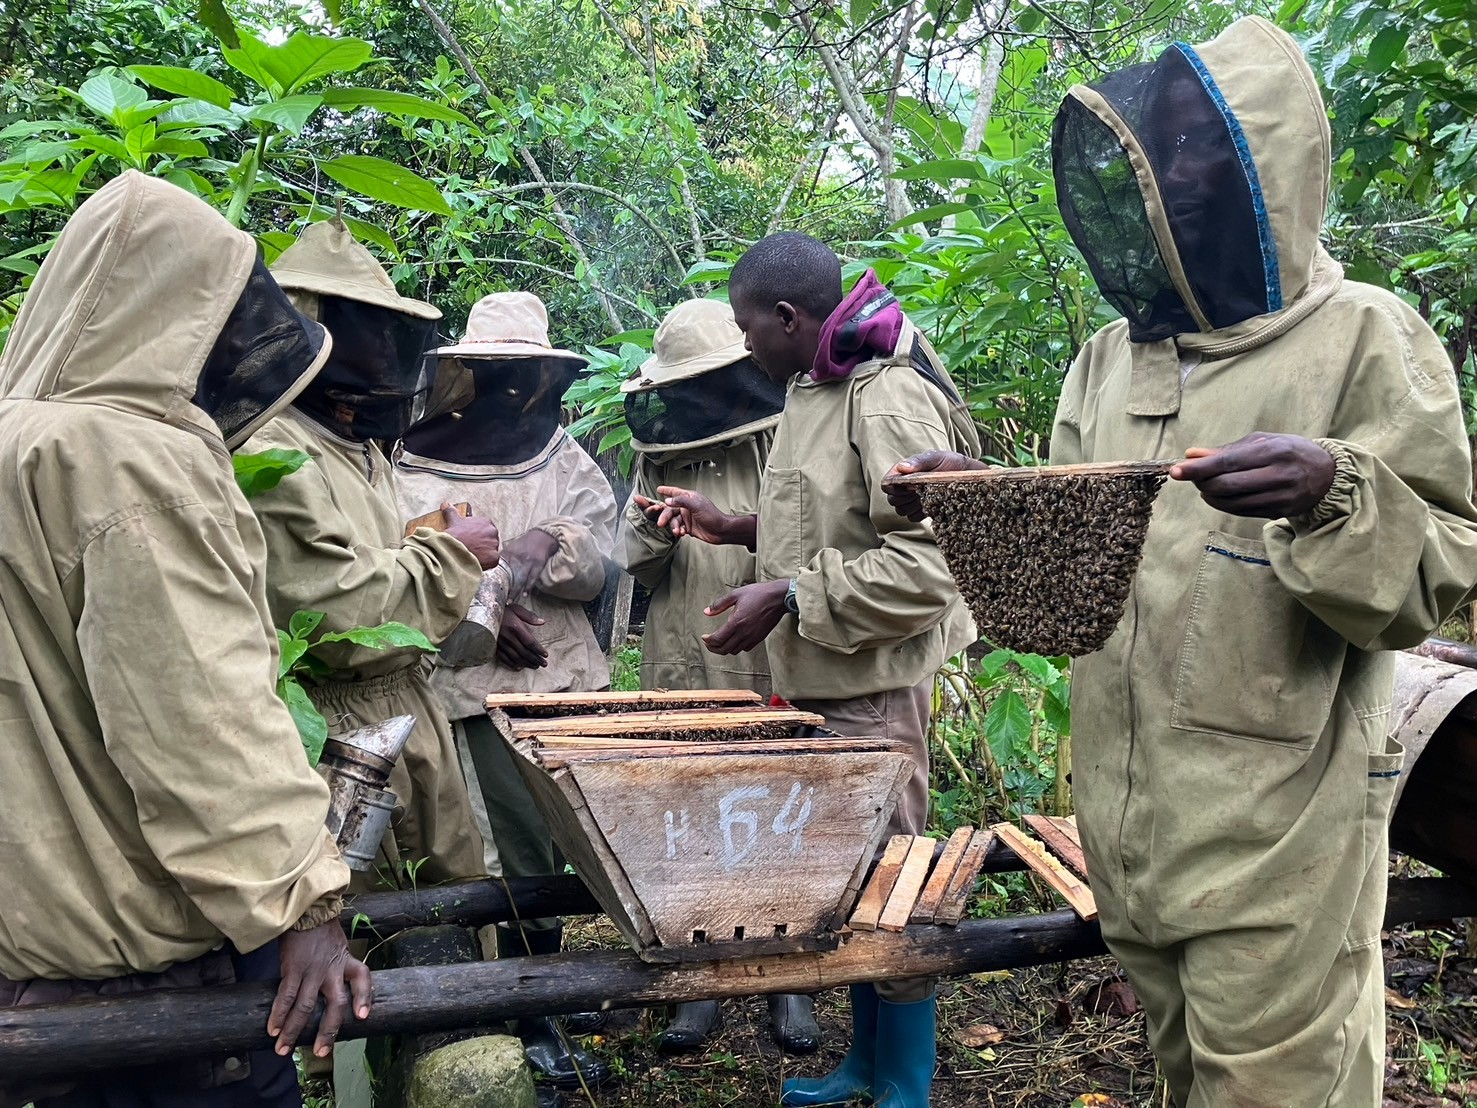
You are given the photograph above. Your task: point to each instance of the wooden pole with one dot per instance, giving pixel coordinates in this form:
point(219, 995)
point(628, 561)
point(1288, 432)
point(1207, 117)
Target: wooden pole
point(1444, 650)
point(143, 1028)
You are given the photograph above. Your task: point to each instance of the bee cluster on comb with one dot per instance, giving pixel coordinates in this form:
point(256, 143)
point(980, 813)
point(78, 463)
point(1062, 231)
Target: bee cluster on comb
point(1045, 557)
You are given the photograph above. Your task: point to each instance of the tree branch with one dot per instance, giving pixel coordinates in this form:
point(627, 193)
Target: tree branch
point(816, 153)
point(553, 271)
point(561, 217)
point(579, 186)
point(992, 57)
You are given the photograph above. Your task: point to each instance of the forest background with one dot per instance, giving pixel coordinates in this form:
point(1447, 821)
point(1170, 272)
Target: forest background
point(615, 156)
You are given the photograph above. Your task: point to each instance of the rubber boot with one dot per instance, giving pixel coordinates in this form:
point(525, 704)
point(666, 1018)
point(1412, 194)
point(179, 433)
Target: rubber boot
point(792, 1023)
point(906, 1053)
point(551, 1055)
point(693, 1024)
point(853, 1078)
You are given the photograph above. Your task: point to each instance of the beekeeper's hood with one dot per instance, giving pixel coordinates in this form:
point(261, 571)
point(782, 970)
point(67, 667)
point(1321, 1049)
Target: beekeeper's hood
point(699, 388)
point(377, 382)
point(152, 304)
point(1195, 187)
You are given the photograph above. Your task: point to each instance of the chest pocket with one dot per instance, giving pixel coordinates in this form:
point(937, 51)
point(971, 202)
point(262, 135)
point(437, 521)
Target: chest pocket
point(782, 520)
point(1254, 663)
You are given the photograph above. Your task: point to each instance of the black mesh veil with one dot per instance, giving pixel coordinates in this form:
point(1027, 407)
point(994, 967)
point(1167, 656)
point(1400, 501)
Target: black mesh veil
point(262, 350)
point(1206, 180)
point(704, 407)
point(377, 381)
point(513, 411)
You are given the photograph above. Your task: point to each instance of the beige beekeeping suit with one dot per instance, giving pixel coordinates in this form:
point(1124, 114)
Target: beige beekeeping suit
point(157, 799)
point(685, 577)
point(1231, 766)
point(878, 608)
point(335, 545)
point(561, 491)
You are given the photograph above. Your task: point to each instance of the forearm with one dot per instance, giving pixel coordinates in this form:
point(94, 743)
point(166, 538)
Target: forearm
point(740, 531)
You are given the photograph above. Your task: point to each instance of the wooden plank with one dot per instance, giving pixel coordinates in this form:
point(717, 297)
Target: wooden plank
point(577, 703)
point(579, 837)
point(886, 804)
point(666, 723)
point(730, 848)
point(436, 520)
point(1073, 891)
point(943, 871)
point(909, 884)
point(574, 748)
point(1030, 473)
point(1060, 837)
point(951, 909)
point(884, 877)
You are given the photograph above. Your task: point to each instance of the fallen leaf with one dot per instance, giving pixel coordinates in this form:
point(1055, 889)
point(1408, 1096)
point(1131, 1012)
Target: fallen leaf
point(989, 977)
point(1111, 997)
point(1095, 1100)
point(1395, 1000)
point(1064, 1013)
point(978, 1035)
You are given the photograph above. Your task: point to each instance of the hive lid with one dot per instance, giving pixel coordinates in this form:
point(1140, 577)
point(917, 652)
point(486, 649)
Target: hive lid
point(1032, 473)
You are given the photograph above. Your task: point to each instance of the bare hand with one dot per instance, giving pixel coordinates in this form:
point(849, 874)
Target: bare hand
point(516, 646)
point(907, 500)
point(757, 610)
point(686, 513)
point(476, 534)
point(526, 556)
point(317, 962)
point(1261, 475)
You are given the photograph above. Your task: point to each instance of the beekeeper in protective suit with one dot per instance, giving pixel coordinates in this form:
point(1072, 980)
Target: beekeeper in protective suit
point(702, 416)
point(504, 452)
point(161, 826)
point(1231, 766)
point(335, 540)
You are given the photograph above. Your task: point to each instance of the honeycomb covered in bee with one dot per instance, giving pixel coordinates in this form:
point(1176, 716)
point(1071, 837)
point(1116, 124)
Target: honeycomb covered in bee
point(1045, 563)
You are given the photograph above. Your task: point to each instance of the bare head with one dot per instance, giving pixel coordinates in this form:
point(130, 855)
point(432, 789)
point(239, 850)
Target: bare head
point(782, 290)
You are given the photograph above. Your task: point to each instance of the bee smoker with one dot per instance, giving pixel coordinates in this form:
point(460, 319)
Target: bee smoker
point(357, 767)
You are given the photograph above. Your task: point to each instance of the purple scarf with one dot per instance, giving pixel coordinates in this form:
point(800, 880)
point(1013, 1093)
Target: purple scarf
point(865, 326)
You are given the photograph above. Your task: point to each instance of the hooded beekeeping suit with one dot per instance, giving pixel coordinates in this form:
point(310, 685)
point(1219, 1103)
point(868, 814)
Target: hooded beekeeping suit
point(1231, 765)
point(702, 417)
point(500, 448)
point(161, 825)
point(335, 537)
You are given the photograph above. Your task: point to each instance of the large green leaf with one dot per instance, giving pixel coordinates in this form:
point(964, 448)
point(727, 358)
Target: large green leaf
point(944, 170)
point(185, 82)
point(312, 728)
point(391, 103)
point(111, 97)
point(290, 650)
point(387, 636)
point(363, 230)
point(301, 59)
point(382, 180)
point(257, 473)
point(1007, 726)
point(213, 16)
point(289, 112)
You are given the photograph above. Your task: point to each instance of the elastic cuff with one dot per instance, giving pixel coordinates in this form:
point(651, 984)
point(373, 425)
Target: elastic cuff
point(1339, 499)
point(320, 912)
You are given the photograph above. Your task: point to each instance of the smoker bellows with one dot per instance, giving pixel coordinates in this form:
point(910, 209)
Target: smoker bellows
point(1044, 556)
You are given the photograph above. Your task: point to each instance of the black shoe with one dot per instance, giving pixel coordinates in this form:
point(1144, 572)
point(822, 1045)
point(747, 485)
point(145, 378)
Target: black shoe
point(585, 1023)
point(693, 1024)
point(792, 1022)
point(555, 1059)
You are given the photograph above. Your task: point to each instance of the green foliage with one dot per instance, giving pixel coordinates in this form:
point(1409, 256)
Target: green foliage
point(297, 660)
point(261, 472)
point(1002, 736)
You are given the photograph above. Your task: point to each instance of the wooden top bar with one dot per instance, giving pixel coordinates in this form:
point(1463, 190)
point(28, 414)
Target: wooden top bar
point(515, 703)
point(1031, 473)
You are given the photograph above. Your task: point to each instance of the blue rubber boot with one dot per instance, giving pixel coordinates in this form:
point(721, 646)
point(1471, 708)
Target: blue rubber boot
point(852, 1079)
point(906, 1053)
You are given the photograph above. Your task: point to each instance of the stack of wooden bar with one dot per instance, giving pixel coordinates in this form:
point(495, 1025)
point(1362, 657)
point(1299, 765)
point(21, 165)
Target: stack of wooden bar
point(916, 882)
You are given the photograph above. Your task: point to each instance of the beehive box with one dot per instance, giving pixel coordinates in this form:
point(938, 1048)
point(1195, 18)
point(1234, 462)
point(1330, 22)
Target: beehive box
point(703, 820)
point(1044, 556)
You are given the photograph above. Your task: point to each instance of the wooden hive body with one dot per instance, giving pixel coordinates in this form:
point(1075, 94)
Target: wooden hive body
point(710, 843)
